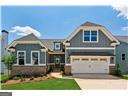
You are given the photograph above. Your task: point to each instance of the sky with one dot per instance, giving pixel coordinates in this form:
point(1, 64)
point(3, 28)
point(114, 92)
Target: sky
point(59, 21)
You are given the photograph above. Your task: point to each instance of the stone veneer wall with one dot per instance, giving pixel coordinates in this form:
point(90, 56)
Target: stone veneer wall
point(67, 70)
point(28, 70)
point(112, 70)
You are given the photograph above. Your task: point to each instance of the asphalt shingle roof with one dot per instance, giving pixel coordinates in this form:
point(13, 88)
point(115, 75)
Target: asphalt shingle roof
point(90, 24)
point(49, 43)
point(122, 38)
point(29, 37)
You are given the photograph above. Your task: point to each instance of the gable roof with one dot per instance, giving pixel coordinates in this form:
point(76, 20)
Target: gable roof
point(49, 43)
point(29, 37)
point(90, 24)
point(87, 25)
point(122, 38)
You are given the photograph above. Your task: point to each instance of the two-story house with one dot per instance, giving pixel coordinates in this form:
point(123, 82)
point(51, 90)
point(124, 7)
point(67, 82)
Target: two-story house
point(91, 48)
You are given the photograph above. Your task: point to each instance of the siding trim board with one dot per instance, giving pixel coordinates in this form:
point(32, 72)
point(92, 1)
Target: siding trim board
point(92, 48)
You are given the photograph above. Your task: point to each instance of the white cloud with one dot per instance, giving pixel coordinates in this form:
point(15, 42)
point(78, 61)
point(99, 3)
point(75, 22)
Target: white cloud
point(125, 28)
point(24, 31)
point(121, 7)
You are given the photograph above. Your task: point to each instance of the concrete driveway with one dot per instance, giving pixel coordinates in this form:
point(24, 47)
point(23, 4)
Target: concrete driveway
point(100, 81)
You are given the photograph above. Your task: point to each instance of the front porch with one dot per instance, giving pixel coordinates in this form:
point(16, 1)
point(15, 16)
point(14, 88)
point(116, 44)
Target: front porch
point(56, 62)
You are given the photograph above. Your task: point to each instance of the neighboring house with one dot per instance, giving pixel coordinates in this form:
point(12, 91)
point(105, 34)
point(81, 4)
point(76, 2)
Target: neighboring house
point(91, 48)
point(122, 54)
point(4, 44)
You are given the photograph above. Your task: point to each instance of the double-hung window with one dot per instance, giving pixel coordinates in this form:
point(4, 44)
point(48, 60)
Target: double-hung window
point(90, 36)
point(21, 57)
point(35, 57)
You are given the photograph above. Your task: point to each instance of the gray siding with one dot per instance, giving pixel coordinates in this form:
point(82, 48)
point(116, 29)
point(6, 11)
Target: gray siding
point(31, 47)
point(68, 52)
point(77, 41)
point(122, 49)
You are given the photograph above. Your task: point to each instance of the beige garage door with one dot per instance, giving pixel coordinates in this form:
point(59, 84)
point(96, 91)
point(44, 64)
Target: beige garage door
point(90, 64)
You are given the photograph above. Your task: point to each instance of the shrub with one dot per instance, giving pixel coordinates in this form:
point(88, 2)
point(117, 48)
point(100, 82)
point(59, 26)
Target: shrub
point(125, 77)
point(118, 70)
point(28, 74)
point(5, 78)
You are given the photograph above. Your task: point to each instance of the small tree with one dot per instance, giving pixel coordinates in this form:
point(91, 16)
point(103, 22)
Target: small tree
point(9, 60)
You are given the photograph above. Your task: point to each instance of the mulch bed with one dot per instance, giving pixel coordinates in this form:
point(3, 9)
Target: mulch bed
point(32, 79)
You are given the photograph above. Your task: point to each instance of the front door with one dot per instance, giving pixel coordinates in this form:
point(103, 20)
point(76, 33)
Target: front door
point(57, 63)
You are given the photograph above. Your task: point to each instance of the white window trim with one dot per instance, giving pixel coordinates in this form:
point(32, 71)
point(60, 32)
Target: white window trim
point(90, 37)
point(38, 57)
point(24, 57)
point(57, 44)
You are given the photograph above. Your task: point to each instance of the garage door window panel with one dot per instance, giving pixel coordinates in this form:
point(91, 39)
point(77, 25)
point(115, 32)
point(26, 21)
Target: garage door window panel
point(75, 59)
point(94, 59)
point(85, 59)
point(103, 59)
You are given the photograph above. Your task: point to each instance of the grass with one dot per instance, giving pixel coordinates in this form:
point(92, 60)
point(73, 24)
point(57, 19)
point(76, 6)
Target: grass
point(51, 84)
point(4, 78)
point(125, 77)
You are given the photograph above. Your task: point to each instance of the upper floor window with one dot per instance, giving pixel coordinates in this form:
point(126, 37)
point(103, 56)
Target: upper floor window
point(57, 45)
point(90, 36)
point(123, 57)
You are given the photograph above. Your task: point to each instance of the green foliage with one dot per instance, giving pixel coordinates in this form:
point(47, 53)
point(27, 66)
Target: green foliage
point(9, 59)
point(125, 77)
point(118, 71)
point(4, 78)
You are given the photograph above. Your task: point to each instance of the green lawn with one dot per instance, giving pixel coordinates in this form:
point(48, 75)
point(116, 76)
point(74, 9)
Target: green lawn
point(4, 77)
point(51, 84)
point(125, 77)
